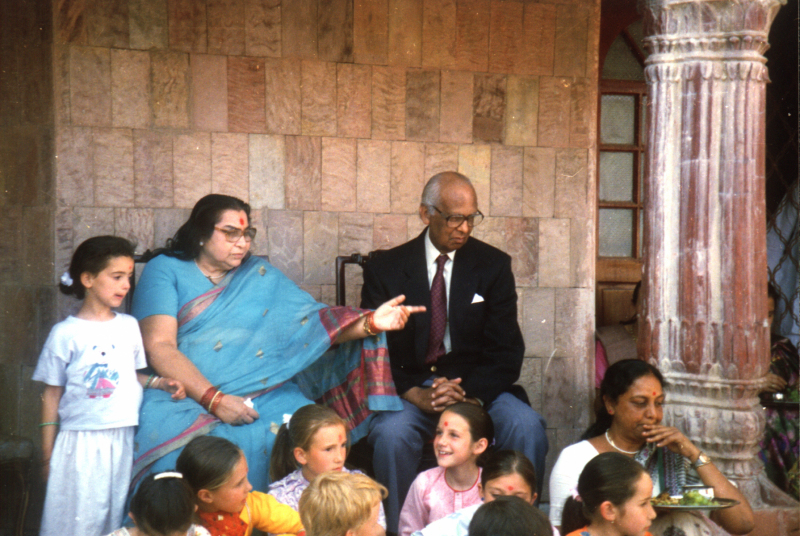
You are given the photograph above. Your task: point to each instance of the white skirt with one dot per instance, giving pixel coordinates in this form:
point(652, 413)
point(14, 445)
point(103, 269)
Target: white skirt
point(90, 472)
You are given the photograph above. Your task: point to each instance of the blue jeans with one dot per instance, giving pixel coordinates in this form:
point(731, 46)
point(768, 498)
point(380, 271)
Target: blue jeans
point(398, 437)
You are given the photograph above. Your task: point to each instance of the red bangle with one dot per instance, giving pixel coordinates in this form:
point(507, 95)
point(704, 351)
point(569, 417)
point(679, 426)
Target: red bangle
point(372, 327)
point(207, 397)
point(215, 402)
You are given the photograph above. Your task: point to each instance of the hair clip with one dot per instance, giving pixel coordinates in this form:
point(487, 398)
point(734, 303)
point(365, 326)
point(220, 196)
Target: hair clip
point(66, 280)
point(286, 418)
point(168, 474)
point(575, 494)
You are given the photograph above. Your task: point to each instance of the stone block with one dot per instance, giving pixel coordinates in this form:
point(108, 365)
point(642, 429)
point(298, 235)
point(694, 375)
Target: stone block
point(303, 173)
point(107, 24)
point(538, 44)
point(554, 261)
point(61, 101)
point(538, 182)
point(371, 32)
point(554, 111)
point(152, 168)
point(559, 391)
point(472, 35)
point(267, 162)
point(571, 40)
point(335, 31)
point(575, 327)
point(283, 97)
point(70, 22)
point(388, 103)
point(582, 114)
point(259, 218)
point(63, 245)
point(355, 235)
point(315, 291)
point(225, 27)
point(373, 176)
point(408, 170)
point(246, 95)
point(229, 165)
point(18, 321)
point(475, 161)
point(455, 119)
point(389, 230)
point(440, 157)
point(167, 221)
point(137, 225)
point(505, 43)
point(538, 321)
point(506, 191)
point(488, 107)
point(573, 196)
point(10, 245)
point(320, 233)
point(530, 378)
point(338, 187)
point(327, 294)
point(582, 252)
point(191, 155)
point(405, 33)
point(353, 100)
point(299, 29)
point(75, 166)
point(262, 28)
point(439, 34)
point(422, 105)
point(209, 92)
point(148, 24)
point(89, 222)
point(522, 111)
point(522, 237)
point(170, 79)
point(492, 231)
point(286, 243)
point(318, 91)
point(90, 86)
point(188, 25)
point(130, 88)
point(113, 167)
point(37, 245)
point(415, 226)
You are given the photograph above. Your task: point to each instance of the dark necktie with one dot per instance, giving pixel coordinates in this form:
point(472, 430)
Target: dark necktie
point(438, 313)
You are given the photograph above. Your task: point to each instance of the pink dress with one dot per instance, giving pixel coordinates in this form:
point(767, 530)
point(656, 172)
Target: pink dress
point(431, 498)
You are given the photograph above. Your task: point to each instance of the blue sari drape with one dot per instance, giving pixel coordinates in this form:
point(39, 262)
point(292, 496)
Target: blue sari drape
point(256, 334)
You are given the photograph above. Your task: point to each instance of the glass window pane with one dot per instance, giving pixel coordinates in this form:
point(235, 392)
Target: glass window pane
point(616, 176)
point(616, 232)
point(621, 63)
point(617, 118)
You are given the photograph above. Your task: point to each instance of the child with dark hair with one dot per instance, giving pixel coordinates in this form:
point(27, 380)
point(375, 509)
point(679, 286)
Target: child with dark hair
point(216, 470)
point(90, 404)
point(613, 498)
point(509, 516)
point(162, 506)
point(463, 436)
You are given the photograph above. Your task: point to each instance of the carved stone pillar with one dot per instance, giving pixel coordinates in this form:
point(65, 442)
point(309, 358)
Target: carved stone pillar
point(705, 280)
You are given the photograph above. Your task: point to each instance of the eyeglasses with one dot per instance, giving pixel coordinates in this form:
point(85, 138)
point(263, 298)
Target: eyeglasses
point(233, 234)
point(455, 220)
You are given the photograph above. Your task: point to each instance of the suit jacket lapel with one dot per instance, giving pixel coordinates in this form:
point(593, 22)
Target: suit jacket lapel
point(463, 283)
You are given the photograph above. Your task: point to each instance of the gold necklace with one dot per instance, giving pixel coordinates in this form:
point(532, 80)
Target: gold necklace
point(210, 277)
point(610, 442)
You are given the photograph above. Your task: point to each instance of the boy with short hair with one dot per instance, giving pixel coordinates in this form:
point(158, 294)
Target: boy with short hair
point(342, 504)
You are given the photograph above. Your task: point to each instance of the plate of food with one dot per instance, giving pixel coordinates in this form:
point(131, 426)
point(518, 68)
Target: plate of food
point(693, 500)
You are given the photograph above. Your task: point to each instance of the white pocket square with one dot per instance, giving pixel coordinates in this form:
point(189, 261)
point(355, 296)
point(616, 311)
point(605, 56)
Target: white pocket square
point(477, 298)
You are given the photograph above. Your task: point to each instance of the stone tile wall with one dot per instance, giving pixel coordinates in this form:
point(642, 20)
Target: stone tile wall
point(328, 117)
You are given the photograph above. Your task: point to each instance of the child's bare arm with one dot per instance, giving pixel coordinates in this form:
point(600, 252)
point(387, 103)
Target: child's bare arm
point(169, 385)
point(50, 399)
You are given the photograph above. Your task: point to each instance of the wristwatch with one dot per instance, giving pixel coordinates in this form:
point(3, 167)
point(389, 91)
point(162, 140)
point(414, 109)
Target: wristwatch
point(701, 460)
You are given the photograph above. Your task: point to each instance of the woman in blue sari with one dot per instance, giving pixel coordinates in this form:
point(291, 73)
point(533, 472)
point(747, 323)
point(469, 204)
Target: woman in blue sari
point(248, 344)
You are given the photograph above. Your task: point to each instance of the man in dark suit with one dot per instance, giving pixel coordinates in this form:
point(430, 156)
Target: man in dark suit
point(471, 350)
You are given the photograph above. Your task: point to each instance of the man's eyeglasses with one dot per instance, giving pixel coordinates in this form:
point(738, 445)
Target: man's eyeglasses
point(455, 220)
point(232, 234)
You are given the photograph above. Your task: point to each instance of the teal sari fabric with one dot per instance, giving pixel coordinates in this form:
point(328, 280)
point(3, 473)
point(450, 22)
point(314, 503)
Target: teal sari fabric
point(257, 335)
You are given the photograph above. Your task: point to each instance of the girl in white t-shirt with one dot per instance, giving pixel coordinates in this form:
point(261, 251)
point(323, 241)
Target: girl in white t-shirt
point(92, 393)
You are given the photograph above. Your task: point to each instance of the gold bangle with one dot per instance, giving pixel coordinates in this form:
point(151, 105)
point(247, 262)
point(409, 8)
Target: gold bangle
point(367, 326)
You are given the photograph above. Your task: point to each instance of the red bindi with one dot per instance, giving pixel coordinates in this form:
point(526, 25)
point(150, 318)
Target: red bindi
point(445, 423)
point(654, 393)
point(241, 221)
point(510, 488)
